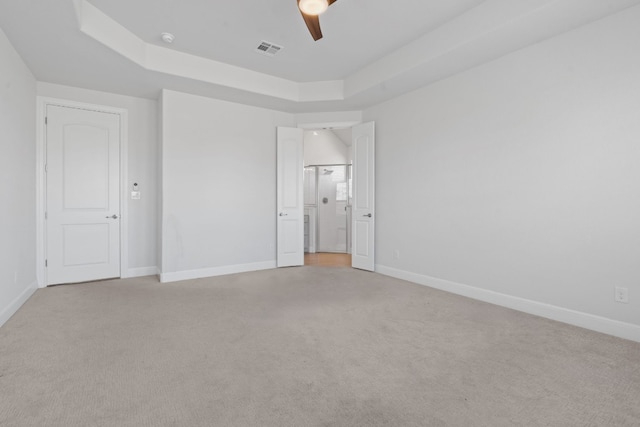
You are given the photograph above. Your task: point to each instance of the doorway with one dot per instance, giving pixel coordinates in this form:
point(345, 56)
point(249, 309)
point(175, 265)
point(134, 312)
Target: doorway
point(327, 196)
point(294, 150)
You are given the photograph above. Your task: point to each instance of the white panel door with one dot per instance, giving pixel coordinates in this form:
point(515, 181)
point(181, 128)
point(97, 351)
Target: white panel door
point(363, 212)
point(83, 200)
point(290, 199)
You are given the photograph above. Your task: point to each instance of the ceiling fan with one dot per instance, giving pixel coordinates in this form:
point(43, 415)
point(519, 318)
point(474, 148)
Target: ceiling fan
point(310, 10)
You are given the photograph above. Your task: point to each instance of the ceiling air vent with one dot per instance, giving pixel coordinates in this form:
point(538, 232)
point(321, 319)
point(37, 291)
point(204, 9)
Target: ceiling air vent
point(268, 49)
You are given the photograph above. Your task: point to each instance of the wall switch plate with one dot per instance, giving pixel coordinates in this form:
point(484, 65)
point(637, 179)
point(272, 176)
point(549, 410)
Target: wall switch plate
point(135, 195)
point(622, 295)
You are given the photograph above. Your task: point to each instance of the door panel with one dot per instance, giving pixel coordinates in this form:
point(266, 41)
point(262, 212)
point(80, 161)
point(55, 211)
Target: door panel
point(76, 251)
point(83, 196)
point(291, 237)
point(362, 152)
point(362, 234)
point(85, 184)
point(290, 198)
point(363, 215)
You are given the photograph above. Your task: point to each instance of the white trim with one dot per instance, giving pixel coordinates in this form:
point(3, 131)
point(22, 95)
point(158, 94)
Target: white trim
point(40, 193)
point(42, 103)
point(15, 305)
point(141, 271)
point(329, 125)
point(604, 325)
point(216, 271)
point(124, 187)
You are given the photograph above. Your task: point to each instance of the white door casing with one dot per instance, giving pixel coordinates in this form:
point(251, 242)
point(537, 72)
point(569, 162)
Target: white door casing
point(363, 210)
point(82, 195)
point(290, 198)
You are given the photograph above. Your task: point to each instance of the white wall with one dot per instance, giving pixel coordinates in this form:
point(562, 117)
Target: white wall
point(142, 168)
point(522, 178)
point(218, 186)
point(325, 148)
point(17, 181)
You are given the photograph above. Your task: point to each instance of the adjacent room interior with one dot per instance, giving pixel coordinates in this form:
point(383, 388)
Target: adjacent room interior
point(327, 197)
point(249, 213)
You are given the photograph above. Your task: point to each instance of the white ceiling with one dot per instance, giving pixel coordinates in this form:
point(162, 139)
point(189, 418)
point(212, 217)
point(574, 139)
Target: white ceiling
point(372, 50)
point(356, 32)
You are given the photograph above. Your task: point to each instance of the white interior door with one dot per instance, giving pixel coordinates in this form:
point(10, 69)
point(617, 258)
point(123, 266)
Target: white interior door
point(290, 199)
point(363, 210)
point(82, 195)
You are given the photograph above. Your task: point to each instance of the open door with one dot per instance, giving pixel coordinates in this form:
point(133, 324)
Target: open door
point(290, 200)
point(363, 213)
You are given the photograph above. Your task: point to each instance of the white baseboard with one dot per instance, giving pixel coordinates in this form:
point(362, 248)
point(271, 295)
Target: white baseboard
point(142, 271)
point(14, 305)
point(577, 318)
point(216, 271)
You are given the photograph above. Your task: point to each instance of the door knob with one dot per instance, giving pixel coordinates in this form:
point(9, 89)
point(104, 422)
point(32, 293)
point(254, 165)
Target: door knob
point(283, 214)
point(114, 216)
point(368, 215)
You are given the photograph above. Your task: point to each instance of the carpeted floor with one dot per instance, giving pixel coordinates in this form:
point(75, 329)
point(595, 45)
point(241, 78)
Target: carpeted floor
point(306, 346)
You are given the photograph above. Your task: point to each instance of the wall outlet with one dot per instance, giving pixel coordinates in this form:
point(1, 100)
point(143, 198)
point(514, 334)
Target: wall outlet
point(396, 254)
point(622, 295)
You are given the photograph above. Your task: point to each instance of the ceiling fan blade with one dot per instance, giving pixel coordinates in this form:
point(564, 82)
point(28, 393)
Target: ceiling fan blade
point(313, 24)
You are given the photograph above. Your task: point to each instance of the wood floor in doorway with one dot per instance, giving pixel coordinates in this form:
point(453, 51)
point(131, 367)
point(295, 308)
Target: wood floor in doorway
point(325, 259)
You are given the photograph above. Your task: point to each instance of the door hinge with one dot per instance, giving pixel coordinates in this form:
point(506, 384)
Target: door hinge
point(46, 263)
point(46, 168)
point(46, 120)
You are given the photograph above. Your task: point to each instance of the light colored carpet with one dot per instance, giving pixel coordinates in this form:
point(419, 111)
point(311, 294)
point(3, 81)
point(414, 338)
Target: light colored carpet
point(305, 346)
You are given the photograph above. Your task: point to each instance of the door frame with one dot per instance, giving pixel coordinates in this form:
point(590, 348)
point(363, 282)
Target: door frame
point(335, 124)
point(41, 184)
